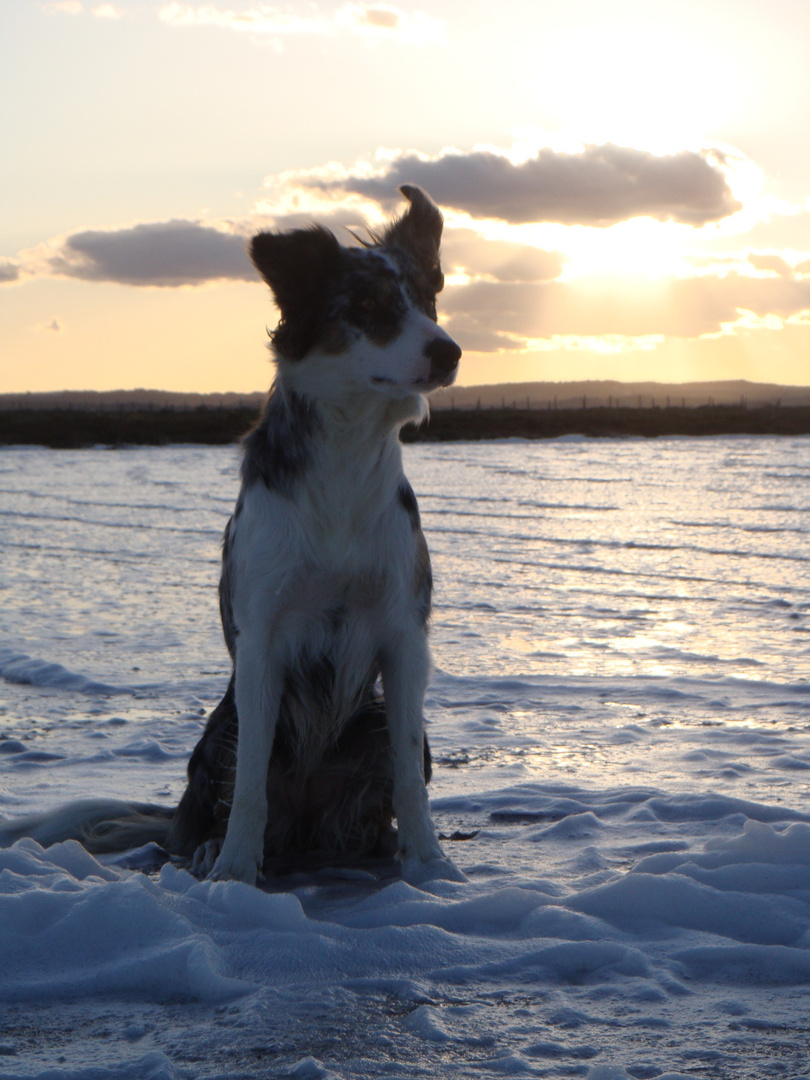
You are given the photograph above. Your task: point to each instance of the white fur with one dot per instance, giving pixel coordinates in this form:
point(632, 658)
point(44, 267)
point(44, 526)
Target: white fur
point(342, 538)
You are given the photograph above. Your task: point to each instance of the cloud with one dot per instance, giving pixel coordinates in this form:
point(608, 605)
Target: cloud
point(599, 186)
point(387, 18)
point(463, 250)
point(375, 21)
point(9, 271)
point(76, 7)
point(507, 314)
point(165, 254)
point(108, 11)
point(64, 7)
point(773, 263)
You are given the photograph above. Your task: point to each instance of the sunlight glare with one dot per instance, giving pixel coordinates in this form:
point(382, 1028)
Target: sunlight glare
point(653, 249)
point(641, 85)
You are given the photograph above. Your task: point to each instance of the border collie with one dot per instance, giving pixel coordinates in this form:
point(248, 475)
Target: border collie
point(326, 584)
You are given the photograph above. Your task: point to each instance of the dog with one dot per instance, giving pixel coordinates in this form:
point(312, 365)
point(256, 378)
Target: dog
point(325, 589)
point(326, 580)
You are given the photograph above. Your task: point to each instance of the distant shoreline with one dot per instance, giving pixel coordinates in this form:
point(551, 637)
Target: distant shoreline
point(74, 428)
point(527, 396)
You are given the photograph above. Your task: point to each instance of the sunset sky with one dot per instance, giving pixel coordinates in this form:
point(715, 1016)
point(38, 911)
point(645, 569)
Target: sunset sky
point(626, 185)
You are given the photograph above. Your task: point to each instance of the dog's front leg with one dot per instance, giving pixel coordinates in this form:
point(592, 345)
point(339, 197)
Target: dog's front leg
point(405, 669)
point(258, 695)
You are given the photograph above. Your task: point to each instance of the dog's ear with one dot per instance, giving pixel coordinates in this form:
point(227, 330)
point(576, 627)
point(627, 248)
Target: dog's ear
point(296, 265)
point(419, 231)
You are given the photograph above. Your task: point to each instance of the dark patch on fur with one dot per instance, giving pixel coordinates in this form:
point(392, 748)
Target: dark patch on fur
point(408, 501)
point(418, 233)
point(341, 807)
point(336, 618)
point(309, 686)
point(142, 823)
point(229, 629)
point(424, 578)
point(300, 268)
point(279, 449)
point(423, 583)
point(202, 813)
point(371, 298)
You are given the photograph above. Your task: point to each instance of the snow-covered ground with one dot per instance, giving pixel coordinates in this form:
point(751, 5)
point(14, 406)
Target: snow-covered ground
point(620, 717)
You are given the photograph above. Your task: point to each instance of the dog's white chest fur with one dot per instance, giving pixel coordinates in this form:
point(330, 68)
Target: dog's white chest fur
point(319, 577)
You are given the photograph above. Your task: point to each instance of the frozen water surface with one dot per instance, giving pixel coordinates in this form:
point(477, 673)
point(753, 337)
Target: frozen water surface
point(620, 717)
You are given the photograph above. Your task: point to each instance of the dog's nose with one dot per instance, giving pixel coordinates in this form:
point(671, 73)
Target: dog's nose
point(444, 356)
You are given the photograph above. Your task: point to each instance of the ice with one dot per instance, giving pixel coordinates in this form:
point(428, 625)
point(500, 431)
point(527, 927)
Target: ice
point(638, 900)
point(154, 1066)
point(71, 928)
point(747, 965)
point(620, 724)
point(307, 1068)
point(15, 667)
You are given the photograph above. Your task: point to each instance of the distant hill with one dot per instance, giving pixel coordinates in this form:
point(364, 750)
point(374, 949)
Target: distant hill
point(592, 394)
point(533, 395)
point(125, 400)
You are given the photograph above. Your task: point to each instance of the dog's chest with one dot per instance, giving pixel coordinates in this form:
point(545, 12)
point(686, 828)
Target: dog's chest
point(322, 578)
point(349, 515)
point(353, 561)
point(336, 620)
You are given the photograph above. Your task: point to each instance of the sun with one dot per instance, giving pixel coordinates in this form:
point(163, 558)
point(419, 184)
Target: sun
point(640, 247)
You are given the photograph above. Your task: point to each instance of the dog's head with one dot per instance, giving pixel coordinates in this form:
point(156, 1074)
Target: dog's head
point(365, 315)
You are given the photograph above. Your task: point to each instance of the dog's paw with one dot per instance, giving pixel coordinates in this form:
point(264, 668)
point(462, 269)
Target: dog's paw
point(203, 859)
point(418, 871)
point(235, 866)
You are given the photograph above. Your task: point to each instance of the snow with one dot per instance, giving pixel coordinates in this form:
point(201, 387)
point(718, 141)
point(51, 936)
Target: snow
point(620, 721)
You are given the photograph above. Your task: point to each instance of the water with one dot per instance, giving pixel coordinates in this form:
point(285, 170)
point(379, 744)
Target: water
point(620, 713)
point(605, 558)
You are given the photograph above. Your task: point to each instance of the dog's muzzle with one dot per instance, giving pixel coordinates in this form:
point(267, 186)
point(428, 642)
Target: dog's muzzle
point(444, 356)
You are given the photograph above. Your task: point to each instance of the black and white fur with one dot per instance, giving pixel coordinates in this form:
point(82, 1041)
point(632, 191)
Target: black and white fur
point(326, 579)
point(326, 583)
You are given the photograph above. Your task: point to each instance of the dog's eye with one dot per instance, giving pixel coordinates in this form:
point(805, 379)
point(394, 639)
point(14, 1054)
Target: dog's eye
point(368, 303)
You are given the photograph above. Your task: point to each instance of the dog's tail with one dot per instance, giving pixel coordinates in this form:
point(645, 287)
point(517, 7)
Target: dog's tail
point(102, 826)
